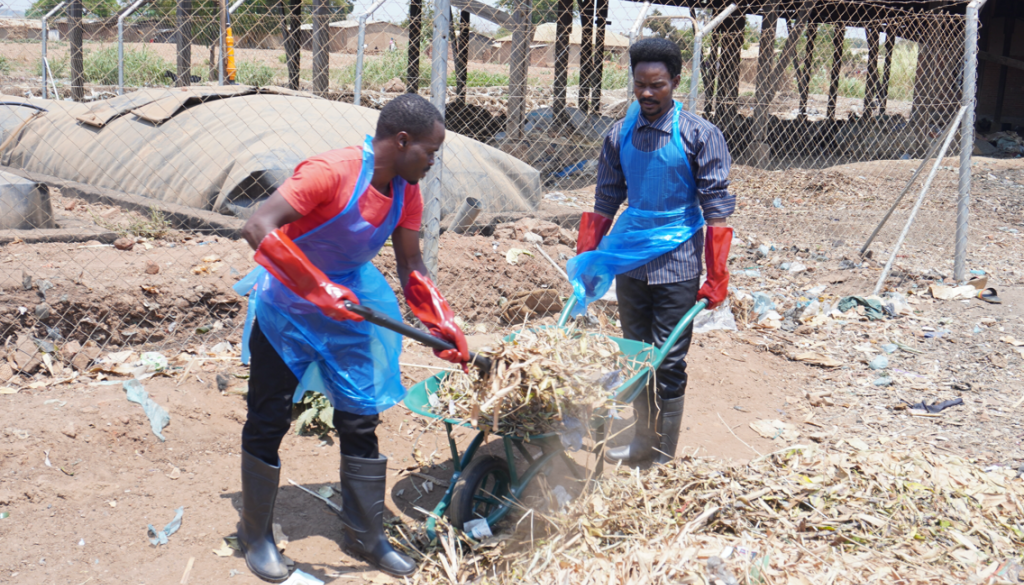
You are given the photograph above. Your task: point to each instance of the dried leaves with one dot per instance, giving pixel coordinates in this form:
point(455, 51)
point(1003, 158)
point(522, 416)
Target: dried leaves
point(536, 382)
point(800, 515)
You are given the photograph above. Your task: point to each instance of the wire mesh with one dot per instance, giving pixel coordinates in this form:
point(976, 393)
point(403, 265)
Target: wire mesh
point(134, 238)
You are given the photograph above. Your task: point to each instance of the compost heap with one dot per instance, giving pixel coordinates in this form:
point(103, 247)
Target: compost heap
point(545, 380)
point(829, 515)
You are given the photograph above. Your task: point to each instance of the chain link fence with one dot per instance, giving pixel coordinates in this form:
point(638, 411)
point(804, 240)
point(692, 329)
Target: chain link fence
point(124, 198)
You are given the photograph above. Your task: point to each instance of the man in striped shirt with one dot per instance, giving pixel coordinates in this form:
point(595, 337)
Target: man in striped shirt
point(653, 297)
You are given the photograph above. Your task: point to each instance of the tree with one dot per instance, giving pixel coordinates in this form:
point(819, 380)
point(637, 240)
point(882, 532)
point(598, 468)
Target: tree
point(98, 8)
point(664, 28)
point(543, 10)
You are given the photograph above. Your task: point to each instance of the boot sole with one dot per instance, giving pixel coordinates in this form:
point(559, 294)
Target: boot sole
point(368, 559)
point(260, 575)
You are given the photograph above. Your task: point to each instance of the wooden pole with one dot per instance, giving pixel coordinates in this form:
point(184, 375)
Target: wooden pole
point(292, 49)
point(412, 69)
point(765, 65)
point(838, 38)
point(804, 82)
point(1004, 71)
point(728, 93)
point(597, 57)
point(75, 40)
point(462, 56)
point(563, 27)
point(321, 47)
point(883, 94)
point(586, 53)
point(714, 66)
point(519, 66)
point(871, 83)
point(183, 38)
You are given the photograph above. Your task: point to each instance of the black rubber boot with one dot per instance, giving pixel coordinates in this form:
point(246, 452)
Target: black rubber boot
point(259, 492)
point(640, 450)
point(670, 418)
point(362, 496)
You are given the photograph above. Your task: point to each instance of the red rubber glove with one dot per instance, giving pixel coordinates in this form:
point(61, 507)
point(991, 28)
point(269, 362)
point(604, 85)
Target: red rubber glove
point(430, 307)
point(593, 227)
point(282, 258)
point(716, 256)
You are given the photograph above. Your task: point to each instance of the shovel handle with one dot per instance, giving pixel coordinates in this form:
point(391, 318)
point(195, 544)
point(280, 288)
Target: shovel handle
point(413, 333)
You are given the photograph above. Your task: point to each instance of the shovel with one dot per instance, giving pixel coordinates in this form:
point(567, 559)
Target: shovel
point(413, 333)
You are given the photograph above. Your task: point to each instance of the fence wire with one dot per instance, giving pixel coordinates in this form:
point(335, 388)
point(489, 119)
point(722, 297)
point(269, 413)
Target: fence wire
point(121, 214)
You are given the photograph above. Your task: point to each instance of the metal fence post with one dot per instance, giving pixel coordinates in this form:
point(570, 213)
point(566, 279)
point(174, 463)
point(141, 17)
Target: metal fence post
point(638, 26)
point(697, 41)
point(963, 201)
point(360, 52)
point(75, 10)
point(120, 44)
point(438, 92)
point(46, 64)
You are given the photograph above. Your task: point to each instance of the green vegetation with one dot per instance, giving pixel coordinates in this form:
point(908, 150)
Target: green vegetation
point(141, 67)
point(100, 8)
point(59, 66)
point(378, 71)
point(612, 77)
point(255, 74)
point(152, 227)
point(314, 415)
point(482, 79)
point(5, 65)
point(542, 10)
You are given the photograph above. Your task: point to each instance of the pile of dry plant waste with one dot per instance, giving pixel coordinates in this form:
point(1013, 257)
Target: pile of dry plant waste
point(538, 382)
point(800, 516)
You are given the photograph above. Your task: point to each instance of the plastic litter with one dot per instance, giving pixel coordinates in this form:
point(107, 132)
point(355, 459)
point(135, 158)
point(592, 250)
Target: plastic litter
point(750, 272)
point(879, 363)
point(777, 203)
point(299, 577)
point(937, 407)
point(478, 528)
point(720, 319)
point(562, 497)
point(894, 304)
point(154, 361)
point(158, 417)
point(762, 303)
point(160, 537)
point(883, 381)
point(571, 434)
point(889, 347)
point(872, 307)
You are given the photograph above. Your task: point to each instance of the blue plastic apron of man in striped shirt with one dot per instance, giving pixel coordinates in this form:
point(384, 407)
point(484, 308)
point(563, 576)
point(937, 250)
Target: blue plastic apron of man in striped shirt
point(662, 213)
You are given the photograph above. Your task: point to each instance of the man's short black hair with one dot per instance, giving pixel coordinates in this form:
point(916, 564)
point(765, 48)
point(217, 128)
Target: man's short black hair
point(656, 49)
point(407, 113)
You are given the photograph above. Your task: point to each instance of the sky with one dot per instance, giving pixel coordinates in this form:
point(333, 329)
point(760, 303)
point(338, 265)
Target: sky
point(622, 14)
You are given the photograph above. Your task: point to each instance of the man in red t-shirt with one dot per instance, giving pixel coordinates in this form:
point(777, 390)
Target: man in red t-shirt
point(314, 239)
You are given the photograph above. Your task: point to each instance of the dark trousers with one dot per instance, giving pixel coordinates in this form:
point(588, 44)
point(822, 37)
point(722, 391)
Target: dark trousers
point(648, 313)
point(271, 387)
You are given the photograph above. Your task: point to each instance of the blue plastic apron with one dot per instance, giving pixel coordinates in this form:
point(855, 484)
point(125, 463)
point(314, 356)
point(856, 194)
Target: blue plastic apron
point(662, 213)
point(354, 364)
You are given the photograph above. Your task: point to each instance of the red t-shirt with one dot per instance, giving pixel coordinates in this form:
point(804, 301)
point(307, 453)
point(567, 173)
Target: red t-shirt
point(321, 186)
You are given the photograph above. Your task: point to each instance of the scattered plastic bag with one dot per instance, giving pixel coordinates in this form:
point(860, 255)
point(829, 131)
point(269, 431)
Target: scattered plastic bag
point(571, 434)
point(478, 528)
point(872, 307)
point(894, 304)
point(562, 496)
point(719, 319)
point(299, 577)
point(158, 417)
point(762, 303)
point(154, 361)
point(160, 537)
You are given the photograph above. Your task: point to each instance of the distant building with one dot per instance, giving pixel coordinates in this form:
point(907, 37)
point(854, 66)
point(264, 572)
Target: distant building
point(345, 36)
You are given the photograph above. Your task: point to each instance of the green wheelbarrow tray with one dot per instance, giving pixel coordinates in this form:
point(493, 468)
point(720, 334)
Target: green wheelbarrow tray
point(488, 487)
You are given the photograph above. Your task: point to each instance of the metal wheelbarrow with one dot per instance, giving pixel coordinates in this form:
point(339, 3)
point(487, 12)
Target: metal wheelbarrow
point(488, 486)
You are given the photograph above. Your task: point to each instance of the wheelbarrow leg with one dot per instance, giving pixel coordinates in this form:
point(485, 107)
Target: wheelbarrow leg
point(459, 463)
point(599, 445)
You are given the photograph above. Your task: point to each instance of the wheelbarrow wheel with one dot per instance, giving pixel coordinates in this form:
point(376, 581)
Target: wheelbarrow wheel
point(484, 490)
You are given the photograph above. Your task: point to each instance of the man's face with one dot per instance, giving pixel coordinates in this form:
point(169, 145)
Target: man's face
point(653, 87)
point(416, 153)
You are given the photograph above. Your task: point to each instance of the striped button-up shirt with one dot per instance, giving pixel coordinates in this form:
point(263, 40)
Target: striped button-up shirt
point(709, 160)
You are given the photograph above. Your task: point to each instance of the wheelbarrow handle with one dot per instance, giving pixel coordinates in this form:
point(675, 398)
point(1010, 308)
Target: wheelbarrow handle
point(413, 333)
